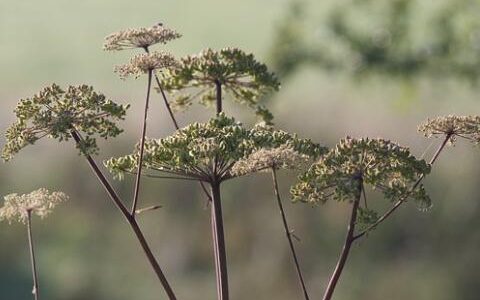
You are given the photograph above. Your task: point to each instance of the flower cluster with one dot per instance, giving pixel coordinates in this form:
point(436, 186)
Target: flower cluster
point(55, 112)
point(40, 202)
point(144, 63)
point(283, 157)
point(207, 151)
point(143, 37)
point(342, 172)
point(239, 73)
point(467, 127)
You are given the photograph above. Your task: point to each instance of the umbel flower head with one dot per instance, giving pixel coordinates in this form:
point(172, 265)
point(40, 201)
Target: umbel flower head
point(146, 62)
point(207, 151)
point(238, 73)
point(143, 37)
point(467, 127)
point(55, 112)
point(382, 164)
point(264, 159)
point(40, 202)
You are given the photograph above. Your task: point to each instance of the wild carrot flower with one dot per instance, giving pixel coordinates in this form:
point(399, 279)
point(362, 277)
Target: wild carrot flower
point(143, 63)
point(143, 37)
point(55, 112)
point(467, 127)
point(40, 202)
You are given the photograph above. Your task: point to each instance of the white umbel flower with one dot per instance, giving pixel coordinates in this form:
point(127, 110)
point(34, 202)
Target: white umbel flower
point(143, 63)
point(40, 202)
point(143, 37)
point(282, 157)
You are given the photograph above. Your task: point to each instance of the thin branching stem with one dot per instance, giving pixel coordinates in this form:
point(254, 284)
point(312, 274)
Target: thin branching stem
point(142, 147)
point(35, 290)
point(400, 201)
point(349, 239)
point(165, 100)
point(129, 218)
point(288, 233)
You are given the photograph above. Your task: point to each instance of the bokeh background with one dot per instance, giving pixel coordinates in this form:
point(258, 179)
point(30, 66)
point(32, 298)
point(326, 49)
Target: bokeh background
point(359, 68)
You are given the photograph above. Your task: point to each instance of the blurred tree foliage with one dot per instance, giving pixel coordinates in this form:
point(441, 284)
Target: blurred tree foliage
point(396, 38)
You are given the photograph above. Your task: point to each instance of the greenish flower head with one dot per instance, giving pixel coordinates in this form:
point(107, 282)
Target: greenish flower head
point(467, 127)
point(238, 73)
point(353, 163)
point(142, 37)
point(55, 112)
point(206, 151)
point(40, 202)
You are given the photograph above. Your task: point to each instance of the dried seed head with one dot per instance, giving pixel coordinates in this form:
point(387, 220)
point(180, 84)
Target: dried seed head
point(143, 37)
point(40, 202)
point(467, 127)
point(143, 63)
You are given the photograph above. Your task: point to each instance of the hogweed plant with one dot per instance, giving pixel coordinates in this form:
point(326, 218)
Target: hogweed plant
point(21, 208)
point(208, 152)
point(219, 149)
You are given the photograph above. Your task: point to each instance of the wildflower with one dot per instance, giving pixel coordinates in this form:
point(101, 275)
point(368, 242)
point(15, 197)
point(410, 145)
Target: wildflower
point(231, 68)
point(40, 202)
point(467, 127)
point(146, 62)
point(207, 151)
point(382, 164)
point(143, 37)
point(283, 157)
point(55, 112)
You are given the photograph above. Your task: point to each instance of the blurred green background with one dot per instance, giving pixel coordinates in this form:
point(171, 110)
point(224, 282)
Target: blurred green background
point(337, 81)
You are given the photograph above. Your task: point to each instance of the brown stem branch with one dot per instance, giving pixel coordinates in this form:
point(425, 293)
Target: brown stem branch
point(218, 87)
point(142, 147)
point(288, 234)
point(349, 239)
point(35, 290)
point(129, 218)
point(219, 243)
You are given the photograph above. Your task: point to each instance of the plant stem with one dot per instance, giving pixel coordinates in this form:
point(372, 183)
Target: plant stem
point(218, 86)
point(219, 243)
point(142, 147)
point(170, 112)
point(402, 199)
point(288, 233)
point(129, 218)
point(165, 100)
point(349, 239)
point(35, 290)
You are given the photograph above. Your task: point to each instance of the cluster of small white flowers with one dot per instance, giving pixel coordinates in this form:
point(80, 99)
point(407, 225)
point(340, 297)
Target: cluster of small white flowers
point(40, 202)
point(455, 126)
point(282, 157)
point(139, 38)
point(143, 63)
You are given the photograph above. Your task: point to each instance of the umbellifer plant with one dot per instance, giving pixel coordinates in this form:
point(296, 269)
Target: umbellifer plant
point(221, 148)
